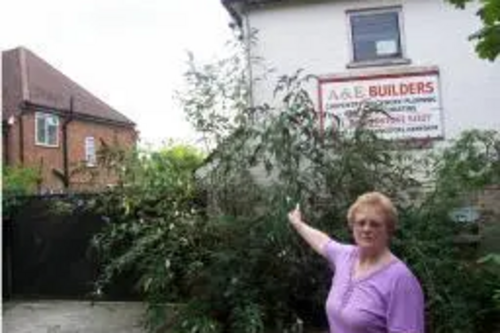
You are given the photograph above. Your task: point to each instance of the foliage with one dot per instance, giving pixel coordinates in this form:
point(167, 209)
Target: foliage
point(195, 320)
point(488, 37)
point(493, 261)
point(214, 91)
point(471, 163)
point(464, 167)
point(17, 182)
point(325, 171)
point(239, 268)
point(151, 214)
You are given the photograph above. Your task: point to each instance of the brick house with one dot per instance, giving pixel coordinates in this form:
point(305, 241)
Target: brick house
point(55, 126)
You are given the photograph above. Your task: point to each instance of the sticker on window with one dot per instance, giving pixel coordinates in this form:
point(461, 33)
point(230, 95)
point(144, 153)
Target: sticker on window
point(386, 47)
point(51, 121)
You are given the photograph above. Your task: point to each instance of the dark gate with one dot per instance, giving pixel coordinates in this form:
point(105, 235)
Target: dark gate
point(47, 251)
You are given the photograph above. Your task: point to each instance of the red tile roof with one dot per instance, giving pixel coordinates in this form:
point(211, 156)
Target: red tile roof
point(29, 78)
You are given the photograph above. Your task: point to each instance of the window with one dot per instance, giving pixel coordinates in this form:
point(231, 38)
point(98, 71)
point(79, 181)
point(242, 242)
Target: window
point(46, 129)
point(376, 35)
point(90, 156)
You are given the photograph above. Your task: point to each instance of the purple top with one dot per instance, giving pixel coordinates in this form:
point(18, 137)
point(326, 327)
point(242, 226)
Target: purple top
point(389, 300)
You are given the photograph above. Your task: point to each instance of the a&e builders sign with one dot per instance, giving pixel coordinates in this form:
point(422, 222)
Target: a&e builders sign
point(411, 100)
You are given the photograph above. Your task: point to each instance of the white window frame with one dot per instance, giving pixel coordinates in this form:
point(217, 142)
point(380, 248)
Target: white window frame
point(401, 60)
point(90, 154)
point(45, 116)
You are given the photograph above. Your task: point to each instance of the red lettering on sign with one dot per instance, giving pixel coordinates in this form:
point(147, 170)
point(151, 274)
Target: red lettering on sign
point(347, 93)
point(402, 89)
point(430, 87)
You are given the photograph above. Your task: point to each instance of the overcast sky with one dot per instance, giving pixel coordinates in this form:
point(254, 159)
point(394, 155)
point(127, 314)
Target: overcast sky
point(129, 53)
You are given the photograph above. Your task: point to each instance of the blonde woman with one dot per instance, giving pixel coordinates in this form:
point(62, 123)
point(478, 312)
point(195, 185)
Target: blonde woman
point(372, 290)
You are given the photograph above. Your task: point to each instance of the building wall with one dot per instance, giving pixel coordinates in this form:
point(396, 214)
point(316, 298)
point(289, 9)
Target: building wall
point(46, 159)
point(12, 87)
point(41, 158)
point(110, 135)
point(12, 143)
point(314, 37)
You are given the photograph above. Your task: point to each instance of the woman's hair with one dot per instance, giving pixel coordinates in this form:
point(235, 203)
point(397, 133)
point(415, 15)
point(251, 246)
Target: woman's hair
point(379, 202)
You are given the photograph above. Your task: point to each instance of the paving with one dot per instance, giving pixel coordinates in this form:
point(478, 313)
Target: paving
point(72, 317)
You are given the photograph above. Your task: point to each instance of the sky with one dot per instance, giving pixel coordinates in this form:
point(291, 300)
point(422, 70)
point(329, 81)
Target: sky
point(129, 53)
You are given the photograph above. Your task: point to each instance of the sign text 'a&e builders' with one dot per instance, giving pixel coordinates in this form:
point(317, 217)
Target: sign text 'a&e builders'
point(412, 101)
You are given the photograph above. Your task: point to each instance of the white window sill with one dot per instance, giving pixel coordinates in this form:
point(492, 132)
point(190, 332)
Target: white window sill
point(46, 145)
point(379, 63)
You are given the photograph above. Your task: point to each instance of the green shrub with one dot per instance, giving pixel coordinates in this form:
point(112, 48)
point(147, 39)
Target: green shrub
point(240, 268)
point(17, 182)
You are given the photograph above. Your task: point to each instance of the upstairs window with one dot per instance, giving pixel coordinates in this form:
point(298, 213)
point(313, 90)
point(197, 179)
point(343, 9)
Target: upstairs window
point(46, 129)
point(376, 35)
point(90, 155)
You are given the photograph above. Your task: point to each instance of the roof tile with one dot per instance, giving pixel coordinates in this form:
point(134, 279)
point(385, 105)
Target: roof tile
point(45, 85)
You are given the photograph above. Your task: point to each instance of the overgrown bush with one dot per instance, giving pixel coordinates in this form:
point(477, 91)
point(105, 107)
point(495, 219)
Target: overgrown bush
point(237, 267)
point(17, 182)
point(151, 214)
point(326, 170)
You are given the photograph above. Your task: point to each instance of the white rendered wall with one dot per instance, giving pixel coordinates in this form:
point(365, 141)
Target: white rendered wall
point(314, 37)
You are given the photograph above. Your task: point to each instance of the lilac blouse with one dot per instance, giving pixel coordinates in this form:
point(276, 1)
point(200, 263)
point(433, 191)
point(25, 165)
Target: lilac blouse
point(389, 300)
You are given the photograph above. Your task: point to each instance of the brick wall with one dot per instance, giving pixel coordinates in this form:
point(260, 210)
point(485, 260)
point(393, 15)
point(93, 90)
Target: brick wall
point(110, 135)
point(12, 140)
point(46, 159)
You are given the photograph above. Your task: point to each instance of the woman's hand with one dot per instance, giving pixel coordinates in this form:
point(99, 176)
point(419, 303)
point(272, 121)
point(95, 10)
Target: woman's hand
point(295, 216)
point(315, 238)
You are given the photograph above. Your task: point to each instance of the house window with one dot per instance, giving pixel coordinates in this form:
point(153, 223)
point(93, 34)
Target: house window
point(90, 155)
point(46, 129)
point(376, 35)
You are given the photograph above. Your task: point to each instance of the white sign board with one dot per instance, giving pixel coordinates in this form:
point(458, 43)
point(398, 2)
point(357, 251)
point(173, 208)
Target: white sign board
point(386, 47)
point(412, 101)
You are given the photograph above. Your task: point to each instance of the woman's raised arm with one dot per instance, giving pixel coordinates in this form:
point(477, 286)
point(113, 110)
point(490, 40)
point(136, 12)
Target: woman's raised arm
point(315, 238)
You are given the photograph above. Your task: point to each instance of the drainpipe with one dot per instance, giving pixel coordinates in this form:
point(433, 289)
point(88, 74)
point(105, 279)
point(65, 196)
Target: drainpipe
point(6, 140)
point(67, 119)
point(21, 140)
point(25, 97)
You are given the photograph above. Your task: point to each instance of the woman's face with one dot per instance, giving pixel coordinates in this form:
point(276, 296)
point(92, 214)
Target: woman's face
point(370, 229)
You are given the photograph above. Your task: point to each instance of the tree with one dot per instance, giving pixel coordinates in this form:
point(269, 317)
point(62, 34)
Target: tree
point(214, 92)
point(488, 37)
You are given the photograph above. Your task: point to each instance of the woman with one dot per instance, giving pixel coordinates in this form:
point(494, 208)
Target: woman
point(372, 290)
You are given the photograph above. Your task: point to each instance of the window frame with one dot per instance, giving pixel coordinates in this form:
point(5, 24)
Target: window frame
point(381, 61)
point(93, 161)
point(45, 115)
